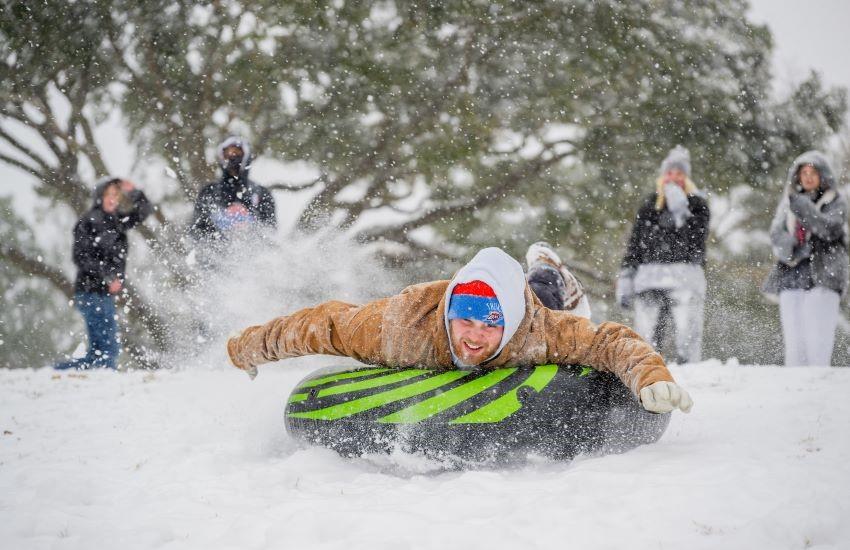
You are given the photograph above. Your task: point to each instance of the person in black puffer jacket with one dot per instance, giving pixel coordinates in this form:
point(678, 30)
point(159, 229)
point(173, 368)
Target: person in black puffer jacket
point(662, 273)
point(809, 237)
point(233, 202)
point(100, 254)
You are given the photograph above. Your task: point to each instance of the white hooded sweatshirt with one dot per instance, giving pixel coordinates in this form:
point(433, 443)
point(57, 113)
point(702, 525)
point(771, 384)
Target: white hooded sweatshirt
point(505, 276)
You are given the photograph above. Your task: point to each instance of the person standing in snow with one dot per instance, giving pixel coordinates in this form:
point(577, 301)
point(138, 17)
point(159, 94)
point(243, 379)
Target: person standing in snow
point(485, 317)
point(100, 254)
point(662, 273)
point(809, 237)
point(234, 201)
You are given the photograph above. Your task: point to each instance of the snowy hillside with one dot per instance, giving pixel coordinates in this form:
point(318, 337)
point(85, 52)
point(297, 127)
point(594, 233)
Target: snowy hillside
point(199, 459)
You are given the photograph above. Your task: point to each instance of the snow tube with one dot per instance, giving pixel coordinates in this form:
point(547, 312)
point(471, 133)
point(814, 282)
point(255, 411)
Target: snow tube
point(484, 415)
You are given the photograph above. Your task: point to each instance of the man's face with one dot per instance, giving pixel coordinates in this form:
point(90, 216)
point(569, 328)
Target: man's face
point(111, 199)
point(233, 155)
point(474, 341)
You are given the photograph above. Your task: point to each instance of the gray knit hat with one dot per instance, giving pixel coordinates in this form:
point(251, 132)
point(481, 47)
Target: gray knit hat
point(678, 157)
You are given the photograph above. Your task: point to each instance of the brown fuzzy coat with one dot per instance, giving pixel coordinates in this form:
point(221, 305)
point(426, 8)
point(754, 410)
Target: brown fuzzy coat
point(409, 330)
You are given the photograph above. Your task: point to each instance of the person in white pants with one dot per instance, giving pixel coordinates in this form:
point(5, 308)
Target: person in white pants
point(809, 318)
point(809, 238)
point(678, 308)
point(662, 273)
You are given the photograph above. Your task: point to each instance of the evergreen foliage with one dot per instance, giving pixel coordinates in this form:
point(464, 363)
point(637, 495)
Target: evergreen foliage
point(454, 124)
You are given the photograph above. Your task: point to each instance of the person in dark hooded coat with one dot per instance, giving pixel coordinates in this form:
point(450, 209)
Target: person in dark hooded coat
point(809, 237)
point(234, 201)
point(100, 254)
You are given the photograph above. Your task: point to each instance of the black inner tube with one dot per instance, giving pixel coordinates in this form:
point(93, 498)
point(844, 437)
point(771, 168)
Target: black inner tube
point(479, 416)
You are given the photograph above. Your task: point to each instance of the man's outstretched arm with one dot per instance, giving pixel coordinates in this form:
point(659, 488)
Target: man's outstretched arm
point(615, 348)
point(331, 328)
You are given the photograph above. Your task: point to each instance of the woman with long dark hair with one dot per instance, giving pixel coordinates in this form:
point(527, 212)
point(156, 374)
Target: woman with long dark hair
point(809, 238)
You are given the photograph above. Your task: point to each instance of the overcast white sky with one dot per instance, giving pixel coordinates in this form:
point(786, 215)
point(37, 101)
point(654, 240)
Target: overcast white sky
point(807, 34)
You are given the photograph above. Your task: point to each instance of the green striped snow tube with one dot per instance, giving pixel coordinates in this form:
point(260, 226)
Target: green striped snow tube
point(481, 415)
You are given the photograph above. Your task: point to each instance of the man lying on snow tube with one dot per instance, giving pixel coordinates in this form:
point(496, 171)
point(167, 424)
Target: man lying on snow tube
point(486, 318)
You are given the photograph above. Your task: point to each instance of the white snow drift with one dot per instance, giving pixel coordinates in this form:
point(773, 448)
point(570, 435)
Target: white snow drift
point(200, 459)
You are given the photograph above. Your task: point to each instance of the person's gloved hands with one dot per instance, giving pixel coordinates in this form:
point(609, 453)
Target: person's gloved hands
point(232, 347)
point(625, 288)
point(235, 216)
point(115, 286)
point(677, 203)
point(801, 205)
point(662, 397)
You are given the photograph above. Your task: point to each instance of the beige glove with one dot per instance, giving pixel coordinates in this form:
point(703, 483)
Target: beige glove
point(234, 358)
point(662, 397)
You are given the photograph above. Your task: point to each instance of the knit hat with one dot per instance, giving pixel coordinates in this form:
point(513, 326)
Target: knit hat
point(476, 300)
point(678, 157)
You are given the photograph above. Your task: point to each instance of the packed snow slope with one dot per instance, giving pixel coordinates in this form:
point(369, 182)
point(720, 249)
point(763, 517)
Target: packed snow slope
point(195, 458)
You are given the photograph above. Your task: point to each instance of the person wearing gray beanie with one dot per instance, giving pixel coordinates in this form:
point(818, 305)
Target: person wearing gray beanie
point(679, 158)
point(662, 273)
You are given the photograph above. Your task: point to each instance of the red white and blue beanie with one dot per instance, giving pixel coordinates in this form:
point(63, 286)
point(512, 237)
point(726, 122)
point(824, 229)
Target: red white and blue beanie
point(476, 300)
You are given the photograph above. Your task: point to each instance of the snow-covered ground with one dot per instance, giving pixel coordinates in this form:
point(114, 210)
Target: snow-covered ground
point(197, 458)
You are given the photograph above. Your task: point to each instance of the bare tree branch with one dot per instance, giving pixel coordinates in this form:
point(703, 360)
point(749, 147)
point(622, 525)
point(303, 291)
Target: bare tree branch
point(34, 267)
point(178, 147)
point(319, 204)
point(49, 129)
point(24, 149)
point(507, 183)
point(300, 187)
point(138, 311)
point(91, 148)
point(421, 251)
point(20, 165)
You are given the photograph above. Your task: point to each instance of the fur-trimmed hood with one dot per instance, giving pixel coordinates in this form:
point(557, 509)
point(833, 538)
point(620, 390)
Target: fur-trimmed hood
point(819, 161)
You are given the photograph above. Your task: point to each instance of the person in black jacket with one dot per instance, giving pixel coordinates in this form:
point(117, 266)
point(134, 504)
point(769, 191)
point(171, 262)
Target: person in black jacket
point(100, 254)
point(662, 272)
point(234, 201)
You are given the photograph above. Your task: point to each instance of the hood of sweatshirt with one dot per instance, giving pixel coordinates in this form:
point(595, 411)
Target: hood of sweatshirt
point(505, 276)
point(100, 188)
